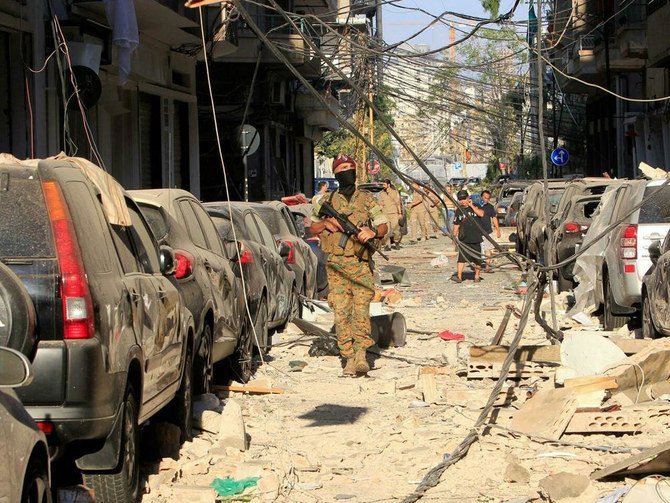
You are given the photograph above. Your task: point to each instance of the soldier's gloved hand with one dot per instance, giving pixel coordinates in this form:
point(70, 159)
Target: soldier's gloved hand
point(366, 234)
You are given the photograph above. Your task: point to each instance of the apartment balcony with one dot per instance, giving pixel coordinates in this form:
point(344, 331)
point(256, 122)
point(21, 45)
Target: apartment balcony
point(618, 63)
point(631, 30)
point(241, 45)
point(580, 62)
point(325, 9)
point(162, 20)
point(658, 42)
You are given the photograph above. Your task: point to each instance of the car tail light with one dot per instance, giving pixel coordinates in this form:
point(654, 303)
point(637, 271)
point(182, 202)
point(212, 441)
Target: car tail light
point(290, 258)
point(45, 427)
point(74, 290)
point(185, 263)
point(571, 228)
point(629, 242)
point(246, 257)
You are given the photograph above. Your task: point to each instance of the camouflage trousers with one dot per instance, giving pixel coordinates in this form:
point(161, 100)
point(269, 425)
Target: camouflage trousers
point(351, 289)
point(394, 231)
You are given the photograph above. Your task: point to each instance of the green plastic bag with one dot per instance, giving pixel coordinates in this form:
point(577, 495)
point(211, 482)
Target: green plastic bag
point(230, 486)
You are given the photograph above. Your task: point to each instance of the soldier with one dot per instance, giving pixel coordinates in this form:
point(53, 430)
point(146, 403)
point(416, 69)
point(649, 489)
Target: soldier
point(419, 219)
point(392, 206)
point(349, 267)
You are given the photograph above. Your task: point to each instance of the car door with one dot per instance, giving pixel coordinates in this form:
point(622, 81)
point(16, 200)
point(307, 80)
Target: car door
point(148, 313)
point(284, 288)
point(221, 269)
point(661, 288)
point(269, 262)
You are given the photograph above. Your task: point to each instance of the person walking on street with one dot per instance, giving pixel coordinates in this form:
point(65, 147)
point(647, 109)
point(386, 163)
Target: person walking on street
point(489, 222)
point(349, 267)
point(450, 212)
point(468, 234)
point(389, 199)
point(434, 213)
point(323, 190)
point(419, 215)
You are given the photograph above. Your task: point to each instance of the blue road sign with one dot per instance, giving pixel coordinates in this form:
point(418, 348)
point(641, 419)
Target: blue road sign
point(560, 156)
point(457, 165)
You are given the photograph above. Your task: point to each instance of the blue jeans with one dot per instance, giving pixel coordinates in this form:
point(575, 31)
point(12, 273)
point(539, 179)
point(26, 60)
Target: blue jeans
point(449, 220)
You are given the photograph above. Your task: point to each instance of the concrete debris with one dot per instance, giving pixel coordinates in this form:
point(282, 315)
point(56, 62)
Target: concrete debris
point(232, 432)
point(564, 485)
point(588, 353)
point(515, 473)
point(193, 494)
point(439, 261)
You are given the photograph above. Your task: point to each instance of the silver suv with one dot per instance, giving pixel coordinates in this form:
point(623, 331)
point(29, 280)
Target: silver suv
point(620, 269)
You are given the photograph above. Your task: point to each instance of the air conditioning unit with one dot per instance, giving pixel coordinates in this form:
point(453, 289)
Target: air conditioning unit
point(587, 42)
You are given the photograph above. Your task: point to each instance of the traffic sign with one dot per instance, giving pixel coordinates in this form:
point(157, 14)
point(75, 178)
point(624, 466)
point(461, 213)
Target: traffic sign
point(458, 165)
point(560, 156)
point(249, 139)
point(373, 167)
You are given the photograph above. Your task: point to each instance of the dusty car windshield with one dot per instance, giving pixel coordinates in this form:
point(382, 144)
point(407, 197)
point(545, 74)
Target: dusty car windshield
point(25, 229)
point(657, 209)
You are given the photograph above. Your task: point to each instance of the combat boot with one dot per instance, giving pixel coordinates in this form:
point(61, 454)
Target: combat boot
point(362, 366)
point(350, 367)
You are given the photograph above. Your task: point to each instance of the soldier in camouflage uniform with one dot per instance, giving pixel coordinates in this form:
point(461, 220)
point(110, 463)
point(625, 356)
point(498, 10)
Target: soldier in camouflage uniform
point(351, 287)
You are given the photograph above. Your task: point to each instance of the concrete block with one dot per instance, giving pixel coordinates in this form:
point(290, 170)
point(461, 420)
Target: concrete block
point(232, 432)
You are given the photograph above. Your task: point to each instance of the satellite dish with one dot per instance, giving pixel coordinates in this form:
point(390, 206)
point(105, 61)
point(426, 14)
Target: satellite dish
point(249, 139)
point(88, 85)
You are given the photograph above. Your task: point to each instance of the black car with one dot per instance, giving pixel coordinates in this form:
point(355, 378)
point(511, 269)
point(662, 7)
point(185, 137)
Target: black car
point(114, 343)
point(268, 279)
point(204, 276)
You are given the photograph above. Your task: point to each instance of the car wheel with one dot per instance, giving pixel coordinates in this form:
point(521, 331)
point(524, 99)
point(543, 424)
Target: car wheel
point(121, 485)
point(648, 328)
point(181, 407)
point(296, 304)
point(202, 365)
point(610, 320)
point(36, 483)
point(239, 363)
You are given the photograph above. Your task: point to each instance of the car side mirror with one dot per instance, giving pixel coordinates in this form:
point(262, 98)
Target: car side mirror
point(655, 251)
point(284, 249)
point(15, 369)
point(554, 225)
point(167, 260)
point(231, 249)
point(532, 214)
point(553, 208)
point(512, 237)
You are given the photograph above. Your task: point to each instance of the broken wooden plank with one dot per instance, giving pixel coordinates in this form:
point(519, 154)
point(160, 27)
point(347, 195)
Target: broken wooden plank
point(256, 390)
point(590, 383)
point(436, 370)
point(654, 460)
point(429, 388)
point(547, 413)
point(518, 370)
point(523, 353)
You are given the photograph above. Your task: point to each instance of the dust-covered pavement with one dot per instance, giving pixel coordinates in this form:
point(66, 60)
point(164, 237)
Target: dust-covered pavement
point(329, 438)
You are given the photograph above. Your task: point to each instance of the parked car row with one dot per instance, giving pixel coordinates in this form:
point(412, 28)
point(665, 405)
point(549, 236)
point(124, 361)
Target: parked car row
point(128, 303)
point(623, 273)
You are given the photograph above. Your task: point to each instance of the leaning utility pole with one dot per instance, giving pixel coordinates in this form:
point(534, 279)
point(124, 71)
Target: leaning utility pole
point(543, 153)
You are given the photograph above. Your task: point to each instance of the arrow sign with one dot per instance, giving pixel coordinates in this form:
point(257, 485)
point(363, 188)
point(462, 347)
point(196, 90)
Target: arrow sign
point(560, 156)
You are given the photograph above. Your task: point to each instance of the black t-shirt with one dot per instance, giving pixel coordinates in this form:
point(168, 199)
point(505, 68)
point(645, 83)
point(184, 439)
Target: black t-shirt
point(489, 213)
point(468, 232)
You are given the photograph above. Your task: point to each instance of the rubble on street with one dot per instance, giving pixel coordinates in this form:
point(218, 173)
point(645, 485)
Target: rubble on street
point(582, 421)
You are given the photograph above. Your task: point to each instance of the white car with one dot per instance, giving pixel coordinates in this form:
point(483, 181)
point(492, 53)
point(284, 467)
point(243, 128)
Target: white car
point(25, 475)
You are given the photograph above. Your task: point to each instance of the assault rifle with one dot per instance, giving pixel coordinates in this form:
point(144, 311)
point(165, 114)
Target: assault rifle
point(348, 228)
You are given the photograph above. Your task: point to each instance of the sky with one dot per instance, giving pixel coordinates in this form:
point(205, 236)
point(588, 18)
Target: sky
point(401, 23)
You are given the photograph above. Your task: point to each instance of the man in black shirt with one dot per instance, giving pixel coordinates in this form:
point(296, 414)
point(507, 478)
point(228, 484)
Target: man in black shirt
point(469, 235)
point(489, 222)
